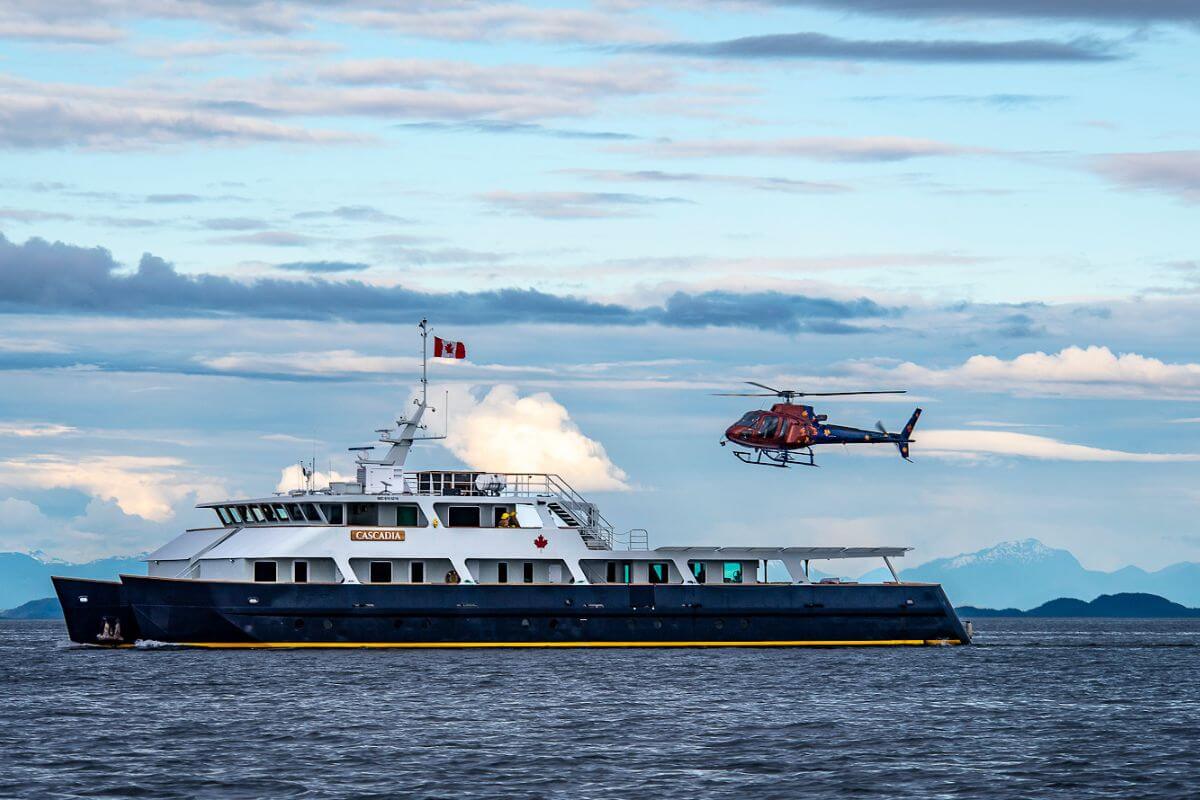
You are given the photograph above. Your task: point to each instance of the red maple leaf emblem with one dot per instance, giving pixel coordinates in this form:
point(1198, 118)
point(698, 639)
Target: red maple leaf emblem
point(540, 542)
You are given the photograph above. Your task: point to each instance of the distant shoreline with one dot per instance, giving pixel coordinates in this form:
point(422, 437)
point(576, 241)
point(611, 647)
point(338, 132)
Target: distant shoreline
point(1128, 605)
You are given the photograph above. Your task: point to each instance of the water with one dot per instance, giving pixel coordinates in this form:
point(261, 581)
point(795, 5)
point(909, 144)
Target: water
point(1038, 708)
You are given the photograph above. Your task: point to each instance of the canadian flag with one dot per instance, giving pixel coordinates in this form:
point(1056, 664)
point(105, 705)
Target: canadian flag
point(444, 348)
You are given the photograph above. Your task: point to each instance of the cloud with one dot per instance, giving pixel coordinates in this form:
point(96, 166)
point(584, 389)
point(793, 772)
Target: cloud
point(353, 214)
point(40, 277)
point(233, 224)
point(790, 46)
point(766, 184)
point(292, 477)
point(492, 126)
point(482, 21)
point(318, 267)
point(1171, 172)
point(37, 115)
point(28, 430)
point(173, 198)
point(819, 148)
point(505, 432)
point(36, 31)
point(1110, 11)
point(1003, 99)
point(975, 444)
point(1074, 371)
point(268, 47)
point(268, 239)
point(573, 205)
point(143, 486)
point(31, 215)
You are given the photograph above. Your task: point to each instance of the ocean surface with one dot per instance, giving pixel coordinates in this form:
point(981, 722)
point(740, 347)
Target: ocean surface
point(1036, 708)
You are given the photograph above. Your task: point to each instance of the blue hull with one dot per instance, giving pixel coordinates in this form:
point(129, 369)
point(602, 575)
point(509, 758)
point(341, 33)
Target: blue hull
point(229, 614)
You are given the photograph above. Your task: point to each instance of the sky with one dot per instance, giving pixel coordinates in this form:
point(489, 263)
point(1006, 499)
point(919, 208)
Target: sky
point(221, 223)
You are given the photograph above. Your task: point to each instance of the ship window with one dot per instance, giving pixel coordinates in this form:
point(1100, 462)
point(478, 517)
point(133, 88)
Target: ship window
point(527, 572)
point(300, 572)
point(498, 518)
point(264, 572)
point(610, 573)
point(462, 516)
point(408, 516)
point(333, 513)
point(258, 513)
point(364, 514)
point(310, 512)
point(245, 514)
point(626, 572)
point(233, 512)
point(699, 571)
point(733, 572)
point(381, 572)
point(416, 572)
point(527, 516)
point(281, 513)
point(659, 572)
point(294, 512)
point(267, 512)
point(226, 519)
point(502, 572)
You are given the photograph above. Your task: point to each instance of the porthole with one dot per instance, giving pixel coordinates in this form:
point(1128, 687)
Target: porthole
point(719, 624)
point(298, 624)
point(553, 624)
point(658, 623)
point(327, 624)
point(524, 623)
point(745, 623)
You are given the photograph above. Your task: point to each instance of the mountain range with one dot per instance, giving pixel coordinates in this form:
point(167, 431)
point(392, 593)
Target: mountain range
point(1017, 574)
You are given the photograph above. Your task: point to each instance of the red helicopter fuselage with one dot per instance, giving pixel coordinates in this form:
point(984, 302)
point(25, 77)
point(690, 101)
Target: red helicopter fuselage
point(786, 426)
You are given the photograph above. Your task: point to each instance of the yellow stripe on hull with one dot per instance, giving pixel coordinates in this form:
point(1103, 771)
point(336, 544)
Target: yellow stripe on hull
point(445, 645)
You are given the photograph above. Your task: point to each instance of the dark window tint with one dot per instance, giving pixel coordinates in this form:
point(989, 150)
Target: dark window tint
point(333, 513)
point(264, 571)
point(462, 516)
point(610, 573)
point(310, 512)
point(659, 572)
point(749, 418)
point(527, 572)
point(699, 571)
point(769, 426)
point(300, 572)
point(417, 572)
point(502, 572)
point(407, 516)
point(381, 572)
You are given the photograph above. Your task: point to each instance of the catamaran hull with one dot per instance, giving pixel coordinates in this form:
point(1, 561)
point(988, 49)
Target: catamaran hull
point(231, 614)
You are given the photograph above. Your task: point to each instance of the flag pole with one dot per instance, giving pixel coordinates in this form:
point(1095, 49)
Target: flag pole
point(424, 326)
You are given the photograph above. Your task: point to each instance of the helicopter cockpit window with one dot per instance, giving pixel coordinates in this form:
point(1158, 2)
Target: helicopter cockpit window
point(769, 426)
point(749, 418)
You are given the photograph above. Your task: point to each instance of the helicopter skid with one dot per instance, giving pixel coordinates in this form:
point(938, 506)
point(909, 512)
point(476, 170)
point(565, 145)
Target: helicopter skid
point(777, 458)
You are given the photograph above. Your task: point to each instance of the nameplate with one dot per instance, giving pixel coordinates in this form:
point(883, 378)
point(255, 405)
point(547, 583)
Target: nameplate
point(377, 536)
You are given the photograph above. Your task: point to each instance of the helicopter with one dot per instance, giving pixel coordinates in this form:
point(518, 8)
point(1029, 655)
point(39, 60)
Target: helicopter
point(786, 434)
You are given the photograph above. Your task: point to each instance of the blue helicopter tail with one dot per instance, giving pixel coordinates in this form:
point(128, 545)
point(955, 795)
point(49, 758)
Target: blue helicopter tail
point(905, 436)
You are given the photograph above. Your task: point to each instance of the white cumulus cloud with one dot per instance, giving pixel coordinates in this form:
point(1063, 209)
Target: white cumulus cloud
point(505, 432)
point(1073, 371)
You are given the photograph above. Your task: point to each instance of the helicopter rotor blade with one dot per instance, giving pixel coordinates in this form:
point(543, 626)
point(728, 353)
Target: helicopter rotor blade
point(770, 389)
point(742, 394)
point(848, 394)
point(879, 427)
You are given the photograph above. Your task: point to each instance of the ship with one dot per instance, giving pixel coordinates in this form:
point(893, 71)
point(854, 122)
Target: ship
point(404, 557)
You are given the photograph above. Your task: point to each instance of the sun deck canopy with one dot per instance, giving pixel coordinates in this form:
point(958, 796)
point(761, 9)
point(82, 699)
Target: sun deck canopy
point(791, 552)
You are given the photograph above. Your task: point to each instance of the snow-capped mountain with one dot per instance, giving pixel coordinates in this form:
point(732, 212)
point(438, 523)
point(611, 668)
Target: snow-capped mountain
point(1027, 573)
